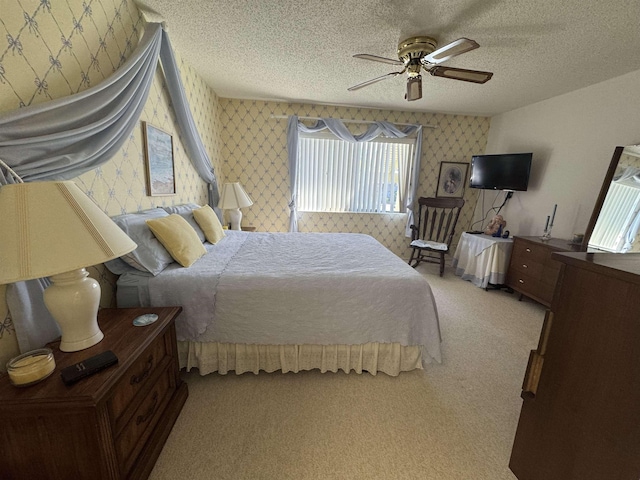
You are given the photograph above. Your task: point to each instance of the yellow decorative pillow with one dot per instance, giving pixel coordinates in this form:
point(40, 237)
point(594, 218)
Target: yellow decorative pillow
point(178, 237)
point(209, 223)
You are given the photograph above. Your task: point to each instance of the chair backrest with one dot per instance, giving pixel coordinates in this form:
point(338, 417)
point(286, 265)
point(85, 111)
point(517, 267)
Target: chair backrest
point(437, 218)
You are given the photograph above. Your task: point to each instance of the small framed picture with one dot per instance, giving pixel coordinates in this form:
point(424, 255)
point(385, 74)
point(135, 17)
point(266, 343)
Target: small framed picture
point(452, 179)
point(158, 152)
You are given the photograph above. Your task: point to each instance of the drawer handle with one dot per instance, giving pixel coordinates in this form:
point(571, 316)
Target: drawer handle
point(524, 265)
point(143, 418)
point(520, 280)
point(532, 375)
point(138, 378)
point(529, 250)
point(536, 360)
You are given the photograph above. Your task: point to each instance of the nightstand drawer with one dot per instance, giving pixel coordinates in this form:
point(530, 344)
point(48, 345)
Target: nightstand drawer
point(137, 376)
point(135, 433)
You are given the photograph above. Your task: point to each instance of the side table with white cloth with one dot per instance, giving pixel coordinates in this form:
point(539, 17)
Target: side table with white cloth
point(482, 259)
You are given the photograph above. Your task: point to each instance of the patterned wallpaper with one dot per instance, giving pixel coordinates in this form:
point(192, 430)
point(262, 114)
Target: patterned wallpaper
point(51, 49)
point(254, 154)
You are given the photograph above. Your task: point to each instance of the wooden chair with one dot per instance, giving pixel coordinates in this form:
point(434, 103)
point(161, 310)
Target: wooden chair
point(436, 225)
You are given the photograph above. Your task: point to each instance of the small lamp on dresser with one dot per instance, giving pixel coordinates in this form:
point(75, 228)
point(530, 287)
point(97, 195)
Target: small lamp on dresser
point(233, 198)
point(53, 229)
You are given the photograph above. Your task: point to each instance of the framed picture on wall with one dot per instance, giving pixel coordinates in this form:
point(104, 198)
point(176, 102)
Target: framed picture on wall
point(158, 153)
point(452, 179)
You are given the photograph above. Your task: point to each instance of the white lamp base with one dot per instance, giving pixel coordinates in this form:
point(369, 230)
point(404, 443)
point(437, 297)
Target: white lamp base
point(73, 299)
point(235, 217)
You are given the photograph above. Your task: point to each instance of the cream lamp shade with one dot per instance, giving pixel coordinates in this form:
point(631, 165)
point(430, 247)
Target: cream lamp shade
point(233, 198)
point(52, 229)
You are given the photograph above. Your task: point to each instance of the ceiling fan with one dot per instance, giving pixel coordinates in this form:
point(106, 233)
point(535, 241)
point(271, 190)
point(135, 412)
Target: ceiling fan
point(422, 53)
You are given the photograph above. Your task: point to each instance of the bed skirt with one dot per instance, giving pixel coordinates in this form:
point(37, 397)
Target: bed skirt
point(208, 357)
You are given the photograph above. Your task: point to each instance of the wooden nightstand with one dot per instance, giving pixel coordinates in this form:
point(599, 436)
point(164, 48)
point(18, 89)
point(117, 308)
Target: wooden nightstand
point(111, 425)
point(248, 228)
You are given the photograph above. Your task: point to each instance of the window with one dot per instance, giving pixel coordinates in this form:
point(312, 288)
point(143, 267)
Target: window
point(334, 175)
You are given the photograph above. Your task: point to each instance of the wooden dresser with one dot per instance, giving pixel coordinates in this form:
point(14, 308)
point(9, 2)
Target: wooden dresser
point(111, 425)
point(580, 418)
point(532, 271)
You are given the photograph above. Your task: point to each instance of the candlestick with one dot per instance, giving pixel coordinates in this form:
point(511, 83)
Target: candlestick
point(555, 207)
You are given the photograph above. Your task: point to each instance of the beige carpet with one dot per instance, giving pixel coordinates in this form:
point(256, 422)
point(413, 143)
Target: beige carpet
point(455, 420)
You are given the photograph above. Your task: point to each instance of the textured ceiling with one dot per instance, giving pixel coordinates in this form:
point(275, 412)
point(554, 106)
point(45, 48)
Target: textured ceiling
point(295, 51)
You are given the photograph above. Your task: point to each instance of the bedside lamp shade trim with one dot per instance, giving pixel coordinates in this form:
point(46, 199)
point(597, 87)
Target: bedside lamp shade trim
point(52, 229)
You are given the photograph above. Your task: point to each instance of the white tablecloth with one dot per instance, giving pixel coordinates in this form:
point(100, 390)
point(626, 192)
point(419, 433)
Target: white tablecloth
point(482, 259)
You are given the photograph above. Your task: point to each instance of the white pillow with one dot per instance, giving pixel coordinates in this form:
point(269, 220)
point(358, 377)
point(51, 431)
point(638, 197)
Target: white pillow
point(150, 256)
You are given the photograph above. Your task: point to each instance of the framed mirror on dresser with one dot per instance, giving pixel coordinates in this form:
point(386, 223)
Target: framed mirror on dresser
point(615, 220)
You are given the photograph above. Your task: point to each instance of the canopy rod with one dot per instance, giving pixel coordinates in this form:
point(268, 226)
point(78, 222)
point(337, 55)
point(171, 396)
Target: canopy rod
point(282, 117)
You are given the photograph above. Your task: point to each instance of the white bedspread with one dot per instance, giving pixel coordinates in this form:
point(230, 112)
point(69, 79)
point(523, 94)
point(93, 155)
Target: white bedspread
point(301, 288)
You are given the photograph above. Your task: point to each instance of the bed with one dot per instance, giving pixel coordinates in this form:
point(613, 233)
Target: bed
point(294, 301)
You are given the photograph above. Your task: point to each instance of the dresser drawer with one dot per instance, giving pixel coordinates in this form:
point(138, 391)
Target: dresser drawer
point(137, 376)
point(527, 266)
point(525, 283)
point(527, 252)
point(545, 292)
point(136, 432)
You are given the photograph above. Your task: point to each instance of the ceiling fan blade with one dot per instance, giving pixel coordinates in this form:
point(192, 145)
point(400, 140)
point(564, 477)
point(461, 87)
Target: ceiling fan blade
point(374, 80)
point(474, 76)
point(457, 47)
point(375, 58)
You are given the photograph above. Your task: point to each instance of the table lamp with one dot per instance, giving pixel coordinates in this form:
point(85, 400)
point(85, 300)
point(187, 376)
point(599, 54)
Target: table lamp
point(54, 229)
point(233, 198)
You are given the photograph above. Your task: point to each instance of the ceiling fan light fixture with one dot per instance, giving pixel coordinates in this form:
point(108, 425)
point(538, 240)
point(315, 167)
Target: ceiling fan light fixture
point(414, 88)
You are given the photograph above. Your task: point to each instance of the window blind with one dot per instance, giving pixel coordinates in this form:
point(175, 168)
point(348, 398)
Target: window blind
point(338, 176)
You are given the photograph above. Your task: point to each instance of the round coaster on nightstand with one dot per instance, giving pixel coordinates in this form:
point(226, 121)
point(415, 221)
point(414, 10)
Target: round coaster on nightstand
point(146, 319)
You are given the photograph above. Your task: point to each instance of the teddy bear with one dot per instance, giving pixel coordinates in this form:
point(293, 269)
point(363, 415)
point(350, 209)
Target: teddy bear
point(496, 226)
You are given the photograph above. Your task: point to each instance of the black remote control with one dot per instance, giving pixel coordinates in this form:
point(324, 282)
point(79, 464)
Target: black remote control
point(91, 365)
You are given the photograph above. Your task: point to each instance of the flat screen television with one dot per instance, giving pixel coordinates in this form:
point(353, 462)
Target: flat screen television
point(509, 171)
